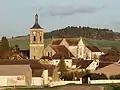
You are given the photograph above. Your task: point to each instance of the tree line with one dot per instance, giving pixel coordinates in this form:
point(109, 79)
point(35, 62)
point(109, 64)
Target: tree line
point(76, 32)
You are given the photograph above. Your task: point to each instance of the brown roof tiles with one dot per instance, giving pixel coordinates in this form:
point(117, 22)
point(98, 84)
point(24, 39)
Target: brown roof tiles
point(61, 51)
point(93, 48)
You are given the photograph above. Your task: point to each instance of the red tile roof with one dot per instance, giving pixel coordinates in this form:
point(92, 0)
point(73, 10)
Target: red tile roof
point(61, 51)
point(82, 64)
point(93, 48)
point(73, 41)
point(70, 41)
point(56, 41)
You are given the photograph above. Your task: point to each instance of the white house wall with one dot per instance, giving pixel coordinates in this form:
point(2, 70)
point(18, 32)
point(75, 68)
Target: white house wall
point(49, 50)
point(73, 50)
point(64, 42)
point(68, 62)
point(92, 66)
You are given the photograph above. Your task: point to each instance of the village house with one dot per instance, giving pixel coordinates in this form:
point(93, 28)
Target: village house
point(83, 65)
point(55, 53)
point(109, 70)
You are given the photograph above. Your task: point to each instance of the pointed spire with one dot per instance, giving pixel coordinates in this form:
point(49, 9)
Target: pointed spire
point(36, 19)
point(36, 25)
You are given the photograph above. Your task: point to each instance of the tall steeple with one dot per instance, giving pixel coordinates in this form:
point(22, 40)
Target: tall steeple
point(36, 25)
point(36, 19)
point(36, 40)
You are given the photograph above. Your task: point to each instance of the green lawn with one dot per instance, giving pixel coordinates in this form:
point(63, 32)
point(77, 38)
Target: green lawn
point(104, 45)
point(106, 87)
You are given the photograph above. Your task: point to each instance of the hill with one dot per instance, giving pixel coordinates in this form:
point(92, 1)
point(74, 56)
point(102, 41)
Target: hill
point(76, 32)
point(104, 45)
point(102, 38)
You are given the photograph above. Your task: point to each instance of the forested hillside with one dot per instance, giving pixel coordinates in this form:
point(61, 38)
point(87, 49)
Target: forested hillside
point(73, 32)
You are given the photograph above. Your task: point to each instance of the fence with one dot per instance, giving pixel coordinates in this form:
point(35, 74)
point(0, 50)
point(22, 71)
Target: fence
point(103, 81)
point(59, 83)
point(37, 81)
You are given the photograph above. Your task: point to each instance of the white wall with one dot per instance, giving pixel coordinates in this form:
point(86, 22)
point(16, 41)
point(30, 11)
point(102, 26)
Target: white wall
point(59, 83)
point(37, 81)
point(12, 81)
point(73, 50)
point(92, 66)
point(103, 81)
point(68, 62)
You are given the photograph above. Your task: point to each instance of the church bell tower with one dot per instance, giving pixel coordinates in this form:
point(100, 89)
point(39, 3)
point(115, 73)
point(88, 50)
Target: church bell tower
point(36, 40)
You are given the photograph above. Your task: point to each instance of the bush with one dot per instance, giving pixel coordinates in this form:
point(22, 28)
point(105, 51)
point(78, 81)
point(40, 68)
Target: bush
point(115, 76)
point(95, 76)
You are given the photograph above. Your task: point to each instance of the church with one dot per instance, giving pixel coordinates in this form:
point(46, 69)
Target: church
point(36, 40)
point(68, 48)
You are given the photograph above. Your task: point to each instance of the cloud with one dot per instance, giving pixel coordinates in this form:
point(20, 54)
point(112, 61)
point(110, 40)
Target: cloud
point(68, 10)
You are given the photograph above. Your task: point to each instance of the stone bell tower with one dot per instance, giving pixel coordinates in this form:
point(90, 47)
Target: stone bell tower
point(36, 40)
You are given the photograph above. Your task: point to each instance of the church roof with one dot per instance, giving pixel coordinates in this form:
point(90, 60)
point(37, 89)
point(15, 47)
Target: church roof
point(56, 41)
point(73, 41)
point(70, 41)
point(93, 48)
point(61, 51)
point(36, 25)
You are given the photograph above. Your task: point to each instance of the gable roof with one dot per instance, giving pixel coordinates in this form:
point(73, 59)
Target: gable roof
point(9, 54)
point(34, 64)
point(82, 64)
point(93, 48)
point(112, 69)
point(12, 70)
point(103, 64)
point(56, 41)
point(108, 57)
point(73, 41)
point(70, 41)
point(61, 51)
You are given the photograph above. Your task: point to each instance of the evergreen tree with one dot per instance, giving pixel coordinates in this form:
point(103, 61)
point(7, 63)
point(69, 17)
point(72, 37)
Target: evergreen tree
point(62, 68)
point(5, 44)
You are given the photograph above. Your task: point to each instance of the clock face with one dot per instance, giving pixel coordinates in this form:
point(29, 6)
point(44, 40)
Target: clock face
point(34, 32)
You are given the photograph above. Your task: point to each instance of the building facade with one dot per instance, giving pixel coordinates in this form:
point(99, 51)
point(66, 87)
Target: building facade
point(36, 40)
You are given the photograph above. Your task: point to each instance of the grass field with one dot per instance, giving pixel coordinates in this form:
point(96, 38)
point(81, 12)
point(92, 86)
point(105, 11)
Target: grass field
point(72, 87)
point(104, 45)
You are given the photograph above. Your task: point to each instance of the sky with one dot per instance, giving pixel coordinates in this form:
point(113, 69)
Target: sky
point(17, 16)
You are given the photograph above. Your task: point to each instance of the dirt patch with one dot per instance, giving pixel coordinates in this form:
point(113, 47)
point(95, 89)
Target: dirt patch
point(82, 88)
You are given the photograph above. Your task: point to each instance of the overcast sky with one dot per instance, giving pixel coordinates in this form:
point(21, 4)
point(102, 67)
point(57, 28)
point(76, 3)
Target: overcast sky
point(17, 16)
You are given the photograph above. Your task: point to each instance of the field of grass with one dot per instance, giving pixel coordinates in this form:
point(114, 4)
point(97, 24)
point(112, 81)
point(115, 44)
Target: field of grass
point(70, 87)
point(104, 45)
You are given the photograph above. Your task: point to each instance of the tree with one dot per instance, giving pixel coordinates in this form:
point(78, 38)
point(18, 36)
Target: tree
point(96, 76)
point(17, 48)
point(5, 44)
point(62, 68)
point(115, 76)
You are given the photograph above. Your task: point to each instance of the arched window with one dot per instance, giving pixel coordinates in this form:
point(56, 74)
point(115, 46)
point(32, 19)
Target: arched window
point(40, 38)
point(48, 54)
point(34, 38)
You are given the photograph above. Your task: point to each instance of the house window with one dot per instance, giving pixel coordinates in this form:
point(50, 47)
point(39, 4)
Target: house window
point(34, 38)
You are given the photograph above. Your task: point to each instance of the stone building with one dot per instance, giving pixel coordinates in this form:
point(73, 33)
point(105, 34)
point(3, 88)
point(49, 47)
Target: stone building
point(36, 40)
point(78, 48)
